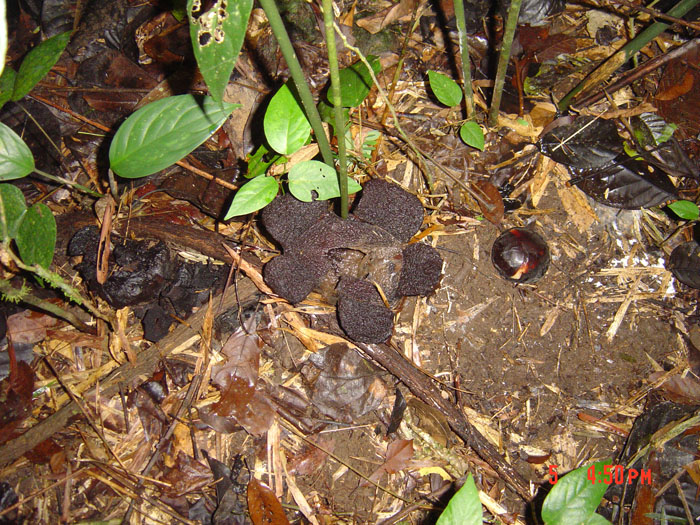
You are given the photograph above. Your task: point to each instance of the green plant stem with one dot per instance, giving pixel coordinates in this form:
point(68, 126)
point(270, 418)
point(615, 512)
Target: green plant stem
point(61, 180)
point(607, 68)
point(53, 309)
point(57, 282)
point(503, 58)
point(307, 99)
point(337, 108)
point(464, 54)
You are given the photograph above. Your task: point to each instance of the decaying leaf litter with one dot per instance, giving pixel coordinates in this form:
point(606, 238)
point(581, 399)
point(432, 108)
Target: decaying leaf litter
point(548, 374)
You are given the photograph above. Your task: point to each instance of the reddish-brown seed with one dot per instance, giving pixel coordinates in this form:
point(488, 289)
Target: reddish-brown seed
point(520, 255)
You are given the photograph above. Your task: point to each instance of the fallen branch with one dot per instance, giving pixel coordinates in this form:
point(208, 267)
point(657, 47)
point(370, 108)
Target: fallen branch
point(422, 387)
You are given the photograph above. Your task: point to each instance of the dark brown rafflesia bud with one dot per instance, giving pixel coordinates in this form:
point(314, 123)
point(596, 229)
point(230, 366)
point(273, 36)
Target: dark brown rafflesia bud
point(520, 255)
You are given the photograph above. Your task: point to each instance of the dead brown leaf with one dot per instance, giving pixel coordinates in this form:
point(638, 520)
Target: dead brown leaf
point(263, 506)
point(677, 90)
point(375, 23)
point(398, 457)
point(187, 475)
point(492, 208)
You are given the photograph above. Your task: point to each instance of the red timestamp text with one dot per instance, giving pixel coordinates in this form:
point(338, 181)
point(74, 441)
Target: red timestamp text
point(612, 474)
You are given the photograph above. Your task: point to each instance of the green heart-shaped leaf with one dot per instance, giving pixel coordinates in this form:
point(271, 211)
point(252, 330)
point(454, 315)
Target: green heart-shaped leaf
point(38, 62)
point(444, 88)
point(576, 496)
point(16, 161)
point(252, 196)
point(217, 36)
point(472, 135)
point(36, 236)
point(355, 82)
point(286, 126)
point(162, 132)
point(312, 179)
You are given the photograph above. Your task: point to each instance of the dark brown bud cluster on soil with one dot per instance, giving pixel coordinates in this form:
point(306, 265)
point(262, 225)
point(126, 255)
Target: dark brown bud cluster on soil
point(353, 258)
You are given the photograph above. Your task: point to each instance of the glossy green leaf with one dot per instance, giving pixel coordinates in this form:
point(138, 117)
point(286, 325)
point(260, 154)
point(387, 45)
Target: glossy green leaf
point(36, 236)
point(16, 161)
point(575, 498)
point(252, 196)
point(472, 134)
point(162, 132)
point(313, 179)
point(38, 62)
point(259, 161)
point(685, 210)
point(446, 90)
point(7, 85)
point(217, 36)
point(286, 127)
point(464, 508)
point(12, 209)
point(355, 82)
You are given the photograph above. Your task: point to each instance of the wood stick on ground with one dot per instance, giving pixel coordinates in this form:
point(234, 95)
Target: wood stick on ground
point(422, 387)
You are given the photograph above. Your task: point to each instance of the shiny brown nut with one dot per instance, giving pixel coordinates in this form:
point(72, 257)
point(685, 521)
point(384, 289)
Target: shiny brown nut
point(520, 255)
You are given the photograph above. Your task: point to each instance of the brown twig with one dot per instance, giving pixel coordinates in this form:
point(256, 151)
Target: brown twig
point(422, 387)
point(640, 72)
point(657, 14)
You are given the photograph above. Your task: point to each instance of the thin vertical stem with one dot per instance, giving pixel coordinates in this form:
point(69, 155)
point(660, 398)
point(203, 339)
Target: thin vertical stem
point(307, 100)
point(464, 54)
point(504, 56)
point(337, 107)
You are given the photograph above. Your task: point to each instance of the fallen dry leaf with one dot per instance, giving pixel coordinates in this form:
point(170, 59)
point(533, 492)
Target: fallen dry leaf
point(263, 506)
point(398, 456)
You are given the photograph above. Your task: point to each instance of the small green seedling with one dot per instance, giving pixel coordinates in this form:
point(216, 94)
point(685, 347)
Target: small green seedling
point(14, 85)
point(464, 508)
point(573, 499)
point(576, 496)
point(287, 130)
point(448, 92)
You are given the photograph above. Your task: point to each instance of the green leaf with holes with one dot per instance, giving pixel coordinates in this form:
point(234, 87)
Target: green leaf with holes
point(472, 134)
point(16, 161)
point(286, 127)
point(163, 132)
point(253, 196)
point(312, 179)
point(36, 236)
point(12, 209)
point(38, 63)
point(355, 82)
point(444, 88)
point(217, 37)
